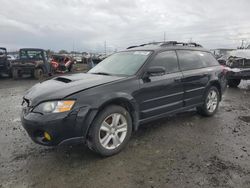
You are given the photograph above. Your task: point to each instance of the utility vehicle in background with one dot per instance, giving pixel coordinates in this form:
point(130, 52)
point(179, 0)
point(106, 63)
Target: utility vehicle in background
point(31, 61)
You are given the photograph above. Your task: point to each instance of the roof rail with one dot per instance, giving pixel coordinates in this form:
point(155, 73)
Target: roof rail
point(168, 43)
point(195, 44)
point(151, 43)
point(174, 43)
point(131, 47)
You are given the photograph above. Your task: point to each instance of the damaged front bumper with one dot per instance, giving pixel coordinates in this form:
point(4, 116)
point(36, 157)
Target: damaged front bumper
point(56, 128)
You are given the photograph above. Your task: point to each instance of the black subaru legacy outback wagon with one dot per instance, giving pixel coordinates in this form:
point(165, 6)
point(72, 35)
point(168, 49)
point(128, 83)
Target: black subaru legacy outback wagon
point(104, 106)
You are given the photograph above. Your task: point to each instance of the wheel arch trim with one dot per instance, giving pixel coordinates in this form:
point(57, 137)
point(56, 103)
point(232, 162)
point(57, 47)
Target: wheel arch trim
point(120, 99)
point(217, 84)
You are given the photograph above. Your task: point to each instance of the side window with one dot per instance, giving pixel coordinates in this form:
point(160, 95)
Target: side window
point(208, 59)
point(167, 59)
point(190, 60)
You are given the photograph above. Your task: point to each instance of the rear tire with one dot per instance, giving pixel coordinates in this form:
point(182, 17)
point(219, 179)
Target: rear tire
point(233, 82)
point(38, 73)
point(211, 102)
point(110, 131)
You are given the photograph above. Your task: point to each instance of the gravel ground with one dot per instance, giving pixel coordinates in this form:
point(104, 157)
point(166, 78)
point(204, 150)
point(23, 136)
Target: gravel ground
point(185, 150)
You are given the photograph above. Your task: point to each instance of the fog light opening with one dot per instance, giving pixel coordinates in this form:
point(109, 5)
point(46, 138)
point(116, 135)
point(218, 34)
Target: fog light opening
point(47, 136)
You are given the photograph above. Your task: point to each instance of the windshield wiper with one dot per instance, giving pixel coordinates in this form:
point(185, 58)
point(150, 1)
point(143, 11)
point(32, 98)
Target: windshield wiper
point(101, 73)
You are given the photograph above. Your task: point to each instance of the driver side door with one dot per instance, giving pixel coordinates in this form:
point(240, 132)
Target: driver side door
point(161, 94)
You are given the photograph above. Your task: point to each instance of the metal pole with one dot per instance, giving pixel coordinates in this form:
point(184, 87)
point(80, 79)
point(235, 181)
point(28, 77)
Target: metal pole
point(105, 47)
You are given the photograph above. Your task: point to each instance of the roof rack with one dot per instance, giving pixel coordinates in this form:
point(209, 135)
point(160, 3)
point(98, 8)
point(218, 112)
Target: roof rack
point(151, 43)
point(169, 43)
point(175, 43)
point(131, 47)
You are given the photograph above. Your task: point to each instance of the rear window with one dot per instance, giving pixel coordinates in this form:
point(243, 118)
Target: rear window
point(208, 59)
point(195, 59)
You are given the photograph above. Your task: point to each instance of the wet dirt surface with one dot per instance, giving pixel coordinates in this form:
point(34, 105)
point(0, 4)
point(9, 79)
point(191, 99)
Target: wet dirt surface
point(185, 150)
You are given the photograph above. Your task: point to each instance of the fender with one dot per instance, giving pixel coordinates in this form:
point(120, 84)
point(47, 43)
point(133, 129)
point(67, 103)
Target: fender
point(114, 98)
point(120, 97)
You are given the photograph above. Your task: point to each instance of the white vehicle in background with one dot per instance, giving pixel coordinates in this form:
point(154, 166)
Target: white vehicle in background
point(238, 64)
point(11, 57)
point(78, 58)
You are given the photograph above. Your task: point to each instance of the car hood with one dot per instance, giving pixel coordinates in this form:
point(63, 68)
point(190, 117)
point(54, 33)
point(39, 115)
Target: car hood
point(63, 86)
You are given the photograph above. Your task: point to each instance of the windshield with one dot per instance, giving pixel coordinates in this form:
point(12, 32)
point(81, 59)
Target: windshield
point(31, 54)
point(122, 63)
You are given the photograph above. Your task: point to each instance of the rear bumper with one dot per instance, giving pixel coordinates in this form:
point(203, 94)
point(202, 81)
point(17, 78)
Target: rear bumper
point(63, 128)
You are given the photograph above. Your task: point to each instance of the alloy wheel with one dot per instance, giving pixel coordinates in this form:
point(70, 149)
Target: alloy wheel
point(212, 101)
point(113, 131)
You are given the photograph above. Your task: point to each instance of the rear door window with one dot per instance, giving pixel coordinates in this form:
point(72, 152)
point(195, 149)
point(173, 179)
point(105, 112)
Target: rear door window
point(189, 60)
point(168, 60)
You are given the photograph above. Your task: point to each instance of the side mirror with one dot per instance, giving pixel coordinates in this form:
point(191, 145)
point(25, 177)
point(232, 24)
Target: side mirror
point(156, 71)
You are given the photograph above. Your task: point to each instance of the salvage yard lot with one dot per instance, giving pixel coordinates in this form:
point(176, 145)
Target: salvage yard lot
point(185, 150)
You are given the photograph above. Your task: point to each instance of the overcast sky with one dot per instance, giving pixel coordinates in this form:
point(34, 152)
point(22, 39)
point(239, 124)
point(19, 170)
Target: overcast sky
point(85, 24)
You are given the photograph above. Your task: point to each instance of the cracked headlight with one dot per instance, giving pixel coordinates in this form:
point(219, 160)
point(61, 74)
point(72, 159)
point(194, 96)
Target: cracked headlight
point(54, 106)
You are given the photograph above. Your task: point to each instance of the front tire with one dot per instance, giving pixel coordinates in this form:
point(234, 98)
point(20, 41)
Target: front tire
point(110, 131)
point(233, 82)
point(211, 102)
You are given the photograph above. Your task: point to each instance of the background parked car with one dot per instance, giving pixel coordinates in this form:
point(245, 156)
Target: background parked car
point(61, 63)
point(31, 61)
point(220, 52)
point(4, 63)
point(239, 63)
point(11, 57)
point(78, 58)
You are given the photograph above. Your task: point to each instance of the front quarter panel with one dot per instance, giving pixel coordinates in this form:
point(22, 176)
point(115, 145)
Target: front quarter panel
point(97, 97)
